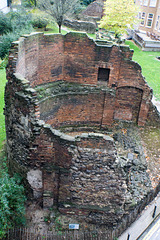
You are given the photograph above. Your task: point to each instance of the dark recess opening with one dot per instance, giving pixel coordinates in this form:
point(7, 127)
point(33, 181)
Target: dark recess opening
point(103, 74)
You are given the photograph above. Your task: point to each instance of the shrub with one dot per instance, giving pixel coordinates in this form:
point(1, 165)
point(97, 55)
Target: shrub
point(29, 3)
point(21, 21)
point(5, 24)
point(21, 24)
point(86, 2)
point(4, 63)
point(5, 43)
point(39, 21)
point(12, 199)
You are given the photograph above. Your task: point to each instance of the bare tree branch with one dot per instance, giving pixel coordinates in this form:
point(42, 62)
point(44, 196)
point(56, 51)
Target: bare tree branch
point(58, 9)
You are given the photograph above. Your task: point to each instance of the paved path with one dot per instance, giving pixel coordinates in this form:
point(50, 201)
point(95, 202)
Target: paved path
point(156, 103)
point(144, 220)
point(153, 233)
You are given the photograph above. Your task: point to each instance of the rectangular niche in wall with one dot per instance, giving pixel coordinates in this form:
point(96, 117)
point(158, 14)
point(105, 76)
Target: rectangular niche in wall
point(103, 75)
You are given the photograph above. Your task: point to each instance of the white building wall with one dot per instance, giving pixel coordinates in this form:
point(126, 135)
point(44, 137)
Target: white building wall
point(3, 6)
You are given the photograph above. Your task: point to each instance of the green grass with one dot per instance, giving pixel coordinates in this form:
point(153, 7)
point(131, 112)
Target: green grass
point(53, 28)
point(150, 67)
point(2, 124)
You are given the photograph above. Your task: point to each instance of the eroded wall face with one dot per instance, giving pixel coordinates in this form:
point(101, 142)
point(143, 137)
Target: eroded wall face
point(81, 173)
point(41, 59)
point(84, 109)
point(51, 59)
point(128, 102)
point(79, 65)
point(76, 58)
point(96, 184)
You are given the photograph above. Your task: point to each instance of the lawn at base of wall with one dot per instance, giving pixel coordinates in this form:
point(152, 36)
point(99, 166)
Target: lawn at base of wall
point(2, 124)
point(150, 67)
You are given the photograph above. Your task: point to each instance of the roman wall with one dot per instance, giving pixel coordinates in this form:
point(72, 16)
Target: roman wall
point(56, 83)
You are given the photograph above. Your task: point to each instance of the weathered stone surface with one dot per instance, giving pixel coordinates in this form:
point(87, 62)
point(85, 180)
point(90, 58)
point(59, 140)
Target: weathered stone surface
point(34, 178)
point(64, 130)
point(79, 25)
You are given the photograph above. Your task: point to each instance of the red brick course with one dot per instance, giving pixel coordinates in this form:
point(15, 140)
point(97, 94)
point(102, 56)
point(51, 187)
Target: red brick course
point(73, 58)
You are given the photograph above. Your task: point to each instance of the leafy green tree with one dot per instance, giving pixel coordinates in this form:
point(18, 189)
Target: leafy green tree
point(58, 9)
point(118, 15)
point(12, 199)
point(5, 24)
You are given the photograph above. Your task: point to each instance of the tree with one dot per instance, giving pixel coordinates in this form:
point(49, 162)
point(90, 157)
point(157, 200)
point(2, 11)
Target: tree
point(58, 9)
point(119, 15)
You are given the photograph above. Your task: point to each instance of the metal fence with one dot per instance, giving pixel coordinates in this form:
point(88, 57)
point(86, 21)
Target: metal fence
point(31, 234)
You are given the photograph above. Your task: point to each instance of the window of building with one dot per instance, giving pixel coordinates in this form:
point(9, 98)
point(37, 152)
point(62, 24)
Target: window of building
point(150, 20)
point(157, 22)
point(143, 15)
point(145, 3)
point(153, 3)
point(103, 74)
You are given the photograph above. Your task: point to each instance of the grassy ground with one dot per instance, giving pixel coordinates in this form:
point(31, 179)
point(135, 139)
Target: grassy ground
point(53, 28)
point(2, 126)
point(150, 67)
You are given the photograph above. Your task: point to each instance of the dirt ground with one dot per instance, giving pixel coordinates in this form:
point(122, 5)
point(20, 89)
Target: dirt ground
point(150, 137)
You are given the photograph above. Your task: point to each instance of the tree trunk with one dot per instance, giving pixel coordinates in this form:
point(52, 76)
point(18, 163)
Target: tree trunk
point(60, 28)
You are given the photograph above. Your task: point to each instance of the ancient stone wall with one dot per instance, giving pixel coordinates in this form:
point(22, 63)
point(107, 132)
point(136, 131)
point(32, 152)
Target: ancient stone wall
point(84, 109)
point(59, 84)
point(84, 25)
point(76, 58)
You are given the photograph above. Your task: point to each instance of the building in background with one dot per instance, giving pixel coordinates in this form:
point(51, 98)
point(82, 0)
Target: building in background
point(147, 34)
point(5, 5)
point(150, 16)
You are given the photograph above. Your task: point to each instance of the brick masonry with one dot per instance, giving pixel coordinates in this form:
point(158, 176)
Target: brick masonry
point(53, 85)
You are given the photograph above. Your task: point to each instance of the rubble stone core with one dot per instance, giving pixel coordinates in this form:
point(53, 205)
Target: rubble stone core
point(61, 92)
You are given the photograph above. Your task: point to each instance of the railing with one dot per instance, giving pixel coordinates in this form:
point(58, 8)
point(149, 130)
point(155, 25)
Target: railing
point(31, 234)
